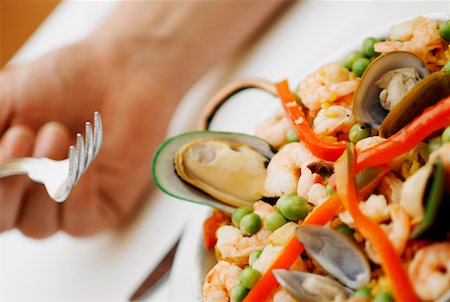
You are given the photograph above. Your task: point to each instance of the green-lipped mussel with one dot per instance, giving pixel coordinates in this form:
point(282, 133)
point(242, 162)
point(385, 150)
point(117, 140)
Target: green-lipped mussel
point(229, 167)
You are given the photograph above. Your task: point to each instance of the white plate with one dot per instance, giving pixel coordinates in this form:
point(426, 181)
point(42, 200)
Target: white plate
point(193, 262)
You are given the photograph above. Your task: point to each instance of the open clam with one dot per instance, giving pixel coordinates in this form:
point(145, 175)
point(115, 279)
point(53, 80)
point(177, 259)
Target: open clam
point(426, 93)
point(338, 255)
point(218, 169)
point(384, 83)
point(309, 287)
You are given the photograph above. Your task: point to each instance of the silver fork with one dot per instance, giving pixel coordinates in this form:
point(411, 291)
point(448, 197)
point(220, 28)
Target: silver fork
point(59, 177)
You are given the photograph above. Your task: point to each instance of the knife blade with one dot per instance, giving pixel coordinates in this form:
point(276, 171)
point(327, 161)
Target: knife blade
point(157, 274)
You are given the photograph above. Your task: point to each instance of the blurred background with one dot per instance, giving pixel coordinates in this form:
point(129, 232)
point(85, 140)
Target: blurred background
point(18, 20)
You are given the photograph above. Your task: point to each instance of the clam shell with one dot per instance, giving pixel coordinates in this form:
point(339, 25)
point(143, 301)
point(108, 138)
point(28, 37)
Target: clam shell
point(426, 93)
point(366, 102)
point(336, 253)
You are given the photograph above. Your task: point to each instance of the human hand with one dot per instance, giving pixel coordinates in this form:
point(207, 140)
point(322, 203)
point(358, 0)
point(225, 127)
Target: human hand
point(133, 70)
point(45, 103)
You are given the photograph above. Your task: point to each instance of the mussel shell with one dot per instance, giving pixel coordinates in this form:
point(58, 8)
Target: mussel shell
point(426, 93)
point(170, 183)
point(366, 102)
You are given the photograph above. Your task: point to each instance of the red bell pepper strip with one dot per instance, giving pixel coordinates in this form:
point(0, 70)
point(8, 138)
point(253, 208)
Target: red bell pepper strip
point(210, 226)
point(293, 248)
point(432, 119)
point(321, 148)
point(390, 261)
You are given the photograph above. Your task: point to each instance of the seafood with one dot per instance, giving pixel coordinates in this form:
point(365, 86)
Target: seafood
point(375, 207)
point(305, 182)
point(283, 171)
point(219, 281)
point(317, 194)
point(430, 271)
point(274, 129)
point(382, 88)
point(201, 159)
point(419, 36)
point(356, 205)
point(205, 164)
point(268, 255)
point(368, 142)
point(328, 84)
point(333, 120)
point(396, 84)
point(311, 287)
point(398, 232)
point(390, 187)
point(234, 247)
point(262, 209)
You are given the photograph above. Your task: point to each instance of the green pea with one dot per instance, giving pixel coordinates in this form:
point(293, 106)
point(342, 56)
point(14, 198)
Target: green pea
point(350, 59)
point(293, 207)
point(446, 135)
point(434, 144)
point(238, 293)
point(345, 229)
point(330, 190)
point(363, 292)
point(358, 132)
point(444, 30)
point(249, 276)
point(446, 67)
point(250, 224)
point(254, 256)
point(274, 221)
point(368, 47)
point(359, 66)
point(291, 135)
point(239, 213)
point(383, 297)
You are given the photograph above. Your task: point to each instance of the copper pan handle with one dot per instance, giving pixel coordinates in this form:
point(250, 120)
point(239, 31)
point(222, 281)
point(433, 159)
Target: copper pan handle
point(225, 93)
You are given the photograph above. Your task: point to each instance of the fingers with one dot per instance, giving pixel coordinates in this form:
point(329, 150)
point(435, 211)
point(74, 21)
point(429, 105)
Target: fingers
point(39, 217)
point(18, 141)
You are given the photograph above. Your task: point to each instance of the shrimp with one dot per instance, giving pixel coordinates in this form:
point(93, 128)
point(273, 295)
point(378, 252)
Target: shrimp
point(283, 171)
point(368, 142)
point(281, 295)
point(429, 271)
point(334, 119)
point(328, 84)
point(262, 209)
point(391, 187)
point(274, 129)
point(317, 194)
point(375, 207)
point(219, 281)
point(268, 255)
point(234, 247)
point(306, 181)
point(419, 36)
point(398, 232)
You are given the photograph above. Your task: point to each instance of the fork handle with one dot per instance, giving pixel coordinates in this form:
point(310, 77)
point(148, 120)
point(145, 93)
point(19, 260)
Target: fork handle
point(15, 167)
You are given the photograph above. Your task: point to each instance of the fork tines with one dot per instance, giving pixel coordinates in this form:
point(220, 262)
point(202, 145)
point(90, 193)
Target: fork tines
point(85, 151)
